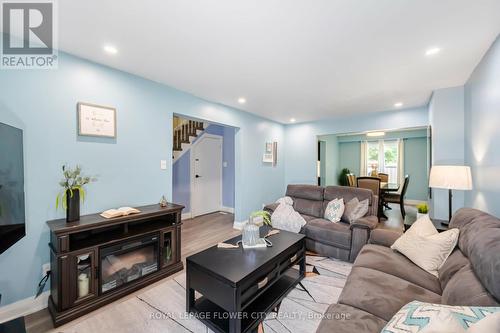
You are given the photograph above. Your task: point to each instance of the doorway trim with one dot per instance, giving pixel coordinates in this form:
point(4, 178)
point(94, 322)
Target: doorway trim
point(192, 173)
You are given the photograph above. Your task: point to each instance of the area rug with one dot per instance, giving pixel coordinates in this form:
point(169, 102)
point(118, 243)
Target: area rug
point(162, 308)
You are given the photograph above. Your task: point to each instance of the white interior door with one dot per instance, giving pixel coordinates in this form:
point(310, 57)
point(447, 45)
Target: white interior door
point(206, 175)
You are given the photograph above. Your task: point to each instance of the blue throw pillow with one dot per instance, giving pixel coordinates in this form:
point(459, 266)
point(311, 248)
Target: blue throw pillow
point(415, 316)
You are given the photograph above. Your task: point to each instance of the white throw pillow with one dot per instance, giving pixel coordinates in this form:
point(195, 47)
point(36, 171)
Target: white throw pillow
point(355, 210)
point(425, 247)
point(423, 227)
point(334, 210)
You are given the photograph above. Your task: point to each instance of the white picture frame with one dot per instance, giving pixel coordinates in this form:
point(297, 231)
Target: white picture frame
point(271, 153)
point(96, 120)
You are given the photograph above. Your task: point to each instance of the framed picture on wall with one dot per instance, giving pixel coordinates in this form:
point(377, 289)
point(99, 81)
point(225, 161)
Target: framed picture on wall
point(96, 120)
point(270, 155)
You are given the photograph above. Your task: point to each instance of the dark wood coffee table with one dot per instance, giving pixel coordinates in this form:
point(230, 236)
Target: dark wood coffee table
point(239, 287)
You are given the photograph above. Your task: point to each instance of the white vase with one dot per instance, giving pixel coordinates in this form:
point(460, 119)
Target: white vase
point(419, 215)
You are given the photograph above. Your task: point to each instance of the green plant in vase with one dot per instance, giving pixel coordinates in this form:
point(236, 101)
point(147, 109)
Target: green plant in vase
point(422, 209)
point(266, 216)
point(72, 191)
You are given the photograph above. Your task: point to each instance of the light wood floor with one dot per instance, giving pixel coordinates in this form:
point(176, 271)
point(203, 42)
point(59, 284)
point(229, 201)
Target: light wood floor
point(197, 234)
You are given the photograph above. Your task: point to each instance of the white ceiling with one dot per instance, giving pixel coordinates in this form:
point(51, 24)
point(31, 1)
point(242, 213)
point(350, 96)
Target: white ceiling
point(306, 59)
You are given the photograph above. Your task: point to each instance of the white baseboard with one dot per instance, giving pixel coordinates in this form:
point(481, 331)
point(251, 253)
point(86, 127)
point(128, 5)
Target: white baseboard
point(227, 209)
point(186, 216)
point(411, 202)
point(24, 307)
point(238, 225)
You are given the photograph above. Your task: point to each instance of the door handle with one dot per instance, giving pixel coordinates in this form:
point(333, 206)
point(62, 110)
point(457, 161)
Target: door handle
point(197, 176)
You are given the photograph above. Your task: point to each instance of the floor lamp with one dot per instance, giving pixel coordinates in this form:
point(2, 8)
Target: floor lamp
point(450, 177)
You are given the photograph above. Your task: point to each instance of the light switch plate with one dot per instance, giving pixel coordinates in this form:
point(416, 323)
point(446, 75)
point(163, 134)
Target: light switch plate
point(224, 164)
point(163, 164)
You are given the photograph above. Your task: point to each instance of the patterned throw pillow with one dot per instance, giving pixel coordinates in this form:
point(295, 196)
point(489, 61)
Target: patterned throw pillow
point(419, 317)
point(355, 210)
point(334, 210)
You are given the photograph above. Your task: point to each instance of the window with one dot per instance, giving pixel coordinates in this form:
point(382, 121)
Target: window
point(382, 156)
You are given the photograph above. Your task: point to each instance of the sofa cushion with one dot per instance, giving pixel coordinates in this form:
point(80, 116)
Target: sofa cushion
point(308, 217)
point(382, 294)
point(307, 199)
point(349, 193)
point(326, 232)
point(479, 242)
point(386, 260)
point(355, 210)
point(451, 266)
point(308, 207)
point(340, 318)
point(464, 288)
point(427, 248)
point(310, 192)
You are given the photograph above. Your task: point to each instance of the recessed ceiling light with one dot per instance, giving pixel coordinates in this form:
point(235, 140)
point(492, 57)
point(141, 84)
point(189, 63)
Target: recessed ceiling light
point(398, 104)
point(292, 120)
point(242, 100)
point(432, 51)
point(110, 49)
point(375, 134)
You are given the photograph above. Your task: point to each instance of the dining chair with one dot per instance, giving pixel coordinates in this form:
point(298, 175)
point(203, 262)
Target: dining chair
point(384, 177)
point(352, 180)
point(371, 183)
point(399, 198)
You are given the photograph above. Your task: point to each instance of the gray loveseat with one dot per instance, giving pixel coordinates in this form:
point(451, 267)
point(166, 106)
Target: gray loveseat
point(382, 280)
point(339, 240)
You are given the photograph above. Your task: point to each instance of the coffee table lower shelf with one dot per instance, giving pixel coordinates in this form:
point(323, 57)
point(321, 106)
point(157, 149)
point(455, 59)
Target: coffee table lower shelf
point(218, 319)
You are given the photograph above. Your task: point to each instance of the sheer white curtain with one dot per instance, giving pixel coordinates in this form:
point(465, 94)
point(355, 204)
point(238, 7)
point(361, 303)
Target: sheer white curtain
point(401, 163)
point(364, 152)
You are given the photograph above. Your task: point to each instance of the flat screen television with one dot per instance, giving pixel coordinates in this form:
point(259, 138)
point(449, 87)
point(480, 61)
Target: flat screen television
point(12, 214)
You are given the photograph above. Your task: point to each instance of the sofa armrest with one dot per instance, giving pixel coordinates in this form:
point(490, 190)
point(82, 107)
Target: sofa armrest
point(366, 222)
point(384, 237)
point(271, 207)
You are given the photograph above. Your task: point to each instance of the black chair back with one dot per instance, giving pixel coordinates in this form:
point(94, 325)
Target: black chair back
point(405, 186)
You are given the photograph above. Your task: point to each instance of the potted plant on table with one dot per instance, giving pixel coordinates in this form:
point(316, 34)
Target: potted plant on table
point(422, 209)
point(72, 191)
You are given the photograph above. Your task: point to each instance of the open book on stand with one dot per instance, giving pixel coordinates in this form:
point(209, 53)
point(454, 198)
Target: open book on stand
point(122, 211)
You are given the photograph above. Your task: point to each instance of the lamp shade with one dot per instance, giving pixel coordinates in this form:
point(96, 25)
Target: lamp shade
point(452, 177)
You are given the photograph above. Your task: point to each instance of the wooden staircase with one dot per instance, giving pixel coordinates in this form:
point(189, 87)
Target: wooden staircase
point(185, 133)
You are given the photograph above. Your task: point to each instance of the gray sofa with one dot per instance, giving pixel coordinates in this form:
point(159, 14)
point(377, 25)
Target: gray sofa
point(339, 240)
point(382, 281)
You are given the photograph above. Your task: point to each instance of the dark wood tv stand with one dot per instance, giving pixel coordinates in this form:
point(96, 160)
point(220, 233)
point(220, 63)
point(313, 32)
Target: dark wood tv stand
point(76, 257)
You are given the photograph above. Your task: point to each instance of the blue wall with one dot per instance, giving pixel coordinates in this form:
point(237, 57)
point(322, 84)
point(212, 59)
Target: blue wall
point(416, 166)
point(301, 139)
point(350, 157)
point(43, 104)
point(181, 176)
point(446, 116)
point(181, 181)
point(482, 132)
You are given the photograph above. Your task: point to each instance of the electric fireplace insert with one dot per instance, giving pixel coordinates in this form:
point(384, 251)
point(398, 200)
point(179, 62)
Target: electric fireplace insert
point(128, 261)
